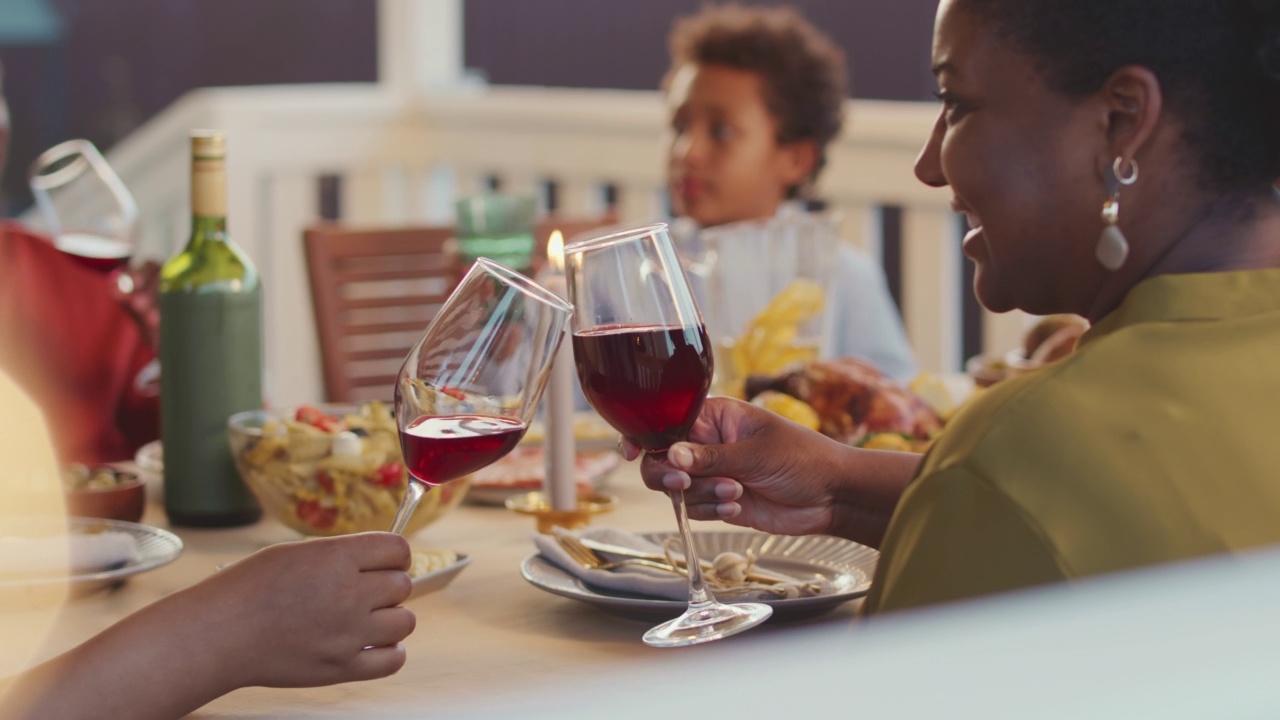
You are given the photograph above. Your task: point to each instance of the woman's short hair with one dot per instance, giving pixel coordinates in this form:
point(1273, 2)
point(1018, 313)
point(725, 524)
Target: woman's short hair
point(802, 70)
point(1218, 63)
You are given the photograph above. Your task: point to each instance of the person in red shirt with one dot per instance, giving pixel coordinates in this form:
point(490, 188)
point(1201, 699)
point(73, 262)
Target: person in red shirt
point(77, 344)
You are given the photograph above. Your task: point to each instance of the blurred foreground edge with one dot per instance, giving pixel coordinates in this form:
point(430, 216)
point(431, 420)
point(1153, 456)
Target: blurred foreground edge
point(1193, 640)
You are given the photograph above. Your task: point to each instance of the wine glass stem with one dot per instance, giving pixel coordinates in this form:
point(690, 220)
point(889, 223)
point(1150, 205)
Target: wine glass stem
point(412, 496)
point(698, 592)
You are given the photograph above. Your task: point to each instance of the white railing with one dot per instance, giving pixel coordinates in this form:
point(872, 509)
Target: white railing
point(403, 159)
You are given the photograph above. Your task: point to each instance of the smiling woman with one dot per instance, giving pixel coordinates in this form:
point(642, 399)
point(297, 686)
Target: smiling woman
point(1152, 442)
point(1034, 149)
point(999, 133)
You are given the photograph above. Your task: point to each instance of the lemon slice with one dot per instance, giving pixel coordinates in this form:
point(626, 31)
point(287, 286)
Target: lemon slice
point(793, 409)
point(889, 441)
point(933, 391)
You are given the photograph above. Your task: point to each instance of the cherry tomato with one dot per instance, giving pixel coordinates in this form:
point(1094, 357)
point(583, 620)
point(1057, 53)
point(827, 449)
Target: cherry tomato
point(387, 475)
point(308, 414)
point(325, 481)
point(328, 424)
point(454, 393)
point(315, 515)
point(315, 417)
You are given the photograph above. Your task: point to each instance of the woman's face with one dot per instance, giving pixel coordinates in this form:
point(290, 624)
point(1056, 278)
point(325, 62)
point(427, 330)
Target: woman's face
point(724, 163)
point(1021, 162)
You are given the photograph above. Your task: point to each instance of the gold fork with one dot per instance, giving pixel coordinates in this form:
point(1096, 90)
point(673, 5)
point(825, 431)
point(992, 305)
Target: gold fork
point(594, 546)
point(587, 558)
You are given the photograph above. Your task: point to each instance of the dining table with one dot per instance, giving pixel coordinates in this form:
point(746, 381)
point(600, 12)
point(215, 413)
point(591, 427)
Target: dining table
point(489, 635)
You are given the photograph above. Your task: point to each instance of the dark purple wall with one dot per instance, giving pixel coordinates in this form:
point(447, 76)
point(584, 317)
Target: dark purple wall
point(122, 61)
point(616, 44)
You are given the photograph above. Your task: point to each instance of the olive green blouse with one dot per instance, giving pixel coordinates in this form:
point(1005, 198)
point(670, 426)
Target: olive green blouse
point(1157, 440)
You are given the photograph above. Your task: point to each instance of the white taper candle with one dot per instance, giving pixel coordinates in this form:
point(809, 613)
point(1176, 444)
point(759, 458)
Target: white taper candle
point(559, 452)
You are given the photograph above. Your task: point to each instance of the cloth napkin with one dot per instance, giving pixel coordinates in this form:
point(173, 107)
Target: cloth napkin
point(649, 581)
point(91, 552)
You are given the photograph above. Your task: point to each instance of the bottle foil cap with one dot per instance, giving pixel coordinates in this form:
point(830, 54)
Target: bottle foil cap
point(208, 144)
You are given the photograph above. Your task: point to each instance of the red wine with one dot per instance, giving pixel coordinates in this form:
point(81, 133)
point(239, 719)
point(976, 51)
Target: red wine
point(648, 382)
point(94, 251)
point(438, 449)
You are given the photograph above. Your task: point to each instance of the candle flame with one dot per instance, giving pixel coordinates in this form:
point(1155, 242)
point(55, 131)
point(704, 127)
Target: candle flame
point(555, 251)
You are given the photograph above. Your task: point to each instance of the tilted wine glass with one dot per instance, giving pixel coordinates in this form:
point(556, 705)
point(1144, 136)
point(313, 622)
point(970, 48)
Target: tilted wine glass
point(645, 364)
point(469, 388)
point(87, 209)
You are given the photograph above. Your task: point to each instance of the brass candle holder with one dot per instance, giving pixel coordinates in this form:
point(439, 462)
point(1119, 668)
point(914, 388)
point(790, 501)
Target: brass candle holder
point(537, 505)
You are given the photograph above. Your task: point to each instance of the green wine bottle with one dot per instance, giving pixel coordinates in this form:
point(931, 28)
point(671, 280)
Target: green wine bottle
point(210, 354)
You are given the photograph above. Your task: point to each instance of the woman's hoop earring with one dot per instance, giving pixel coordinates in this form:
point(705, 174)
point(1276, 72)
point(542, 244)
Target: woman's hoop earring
point(1129, 179)
point(1112, 248)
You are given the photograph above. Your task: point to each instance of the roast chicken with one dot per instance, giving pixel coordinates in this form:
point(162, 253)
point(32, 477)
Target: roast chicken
point(853, 400)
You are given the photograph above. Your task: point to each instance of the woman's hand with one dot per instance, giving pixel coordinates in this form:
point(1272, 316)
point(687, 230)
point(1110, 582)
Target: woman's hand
point(300, 614)
point(316, 612)
point(750, 467)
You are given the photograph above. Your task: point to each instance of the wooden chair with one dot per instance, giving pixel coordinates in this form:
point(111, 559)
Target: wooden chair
point(374, 292)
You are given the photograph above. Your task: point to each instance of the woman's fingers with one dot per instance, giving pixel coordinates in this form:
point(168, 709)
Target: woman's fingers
point(388, 626)
point(659, 475)
point(726, 511)
point(375, 662)
point(732, 460)
point(713, 491)
point(386, 588)
point(378, 550)
point(701, 511)
point(664, 478)
point(629, 450)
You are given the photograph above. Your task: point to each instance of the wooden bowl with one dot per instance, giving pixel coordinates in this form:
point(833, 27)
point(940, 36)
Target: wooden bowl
point(124, 501)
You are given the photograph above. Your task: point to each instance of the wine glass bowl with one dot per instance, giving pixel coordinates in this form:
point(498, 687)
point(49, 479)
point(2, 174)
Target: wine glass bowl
point(88, 211)
point(470, 386)
point(645, 365)
point(647, 381)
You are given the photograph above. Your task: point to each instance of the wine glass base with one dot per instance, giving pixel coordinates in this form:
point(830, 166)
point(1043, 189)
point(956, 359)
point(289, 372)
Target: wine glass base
point(710, 621)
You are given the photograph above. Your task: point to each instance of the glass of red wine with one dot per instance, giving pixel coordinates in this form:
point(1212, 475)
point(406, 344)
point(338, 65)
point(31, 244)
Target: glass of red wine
point(644, 363)
point(86, 208)
point(469, 388)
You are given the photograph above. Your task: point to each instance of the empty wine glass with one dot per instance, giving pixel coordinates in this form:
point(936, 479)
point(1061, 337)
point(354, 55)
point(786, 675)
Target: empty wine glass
point(469, 388)
point(87, 209)
point(645, 365)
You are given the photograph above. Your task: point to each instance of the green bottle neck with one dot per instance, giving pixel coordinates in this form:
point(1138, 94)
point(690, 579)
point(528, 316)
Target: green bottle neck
point(208, 229)
point(210, 262)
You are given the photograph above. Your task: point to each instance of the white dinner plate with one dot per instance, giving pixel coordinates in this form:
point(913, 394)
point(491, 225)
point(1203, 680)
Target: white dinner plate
point(846, 564)
point(156, 548)
point(436, 580)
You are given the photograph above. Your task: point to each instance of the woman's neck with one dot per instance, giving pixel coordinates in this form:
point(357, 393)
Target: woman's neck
point(1231, 233)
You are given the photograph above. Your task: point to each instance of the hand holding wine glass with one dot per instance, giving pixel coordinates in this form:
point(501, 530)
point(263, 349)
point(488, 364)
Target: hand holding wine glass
point(471, 385)
point(644, 362)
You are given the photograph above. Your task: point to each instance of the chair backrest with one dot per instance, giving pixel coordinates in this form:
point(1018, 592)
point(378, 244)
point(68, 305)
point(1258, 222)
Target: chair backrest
point(374, 292)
